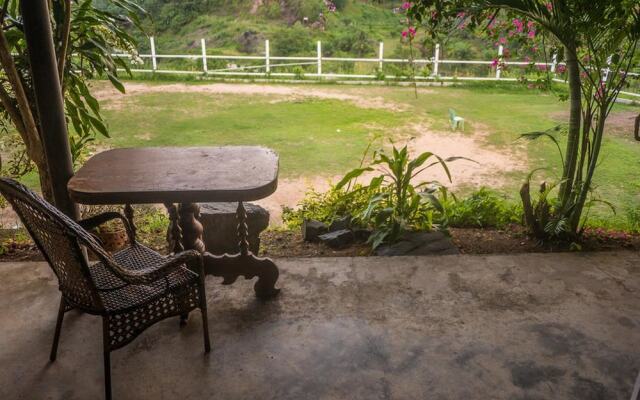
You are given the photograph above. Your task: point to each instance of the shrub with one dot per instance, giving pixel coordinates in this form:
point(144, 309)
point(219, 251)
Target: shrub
point(340, 4)
point(390, 204)
point(327, 206)
point(310, 9)
point(292, 41)
point(353, 42)
point(633, 219)
point(483, 208)
point(396, 203)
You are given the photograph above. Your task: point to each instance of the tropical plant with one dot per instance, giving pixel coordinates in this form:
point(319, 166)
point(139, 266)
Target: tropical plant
point(85, 38)
point(398, 204)
point(599, 40)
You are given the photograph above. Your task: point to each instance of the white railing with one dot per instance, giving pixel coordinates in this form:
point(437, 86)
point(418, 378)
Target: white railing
point(267, 68)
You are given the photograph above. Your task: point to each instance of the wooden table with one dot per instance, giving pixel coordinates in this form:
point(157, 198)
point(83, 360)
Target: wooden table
point(186, 176)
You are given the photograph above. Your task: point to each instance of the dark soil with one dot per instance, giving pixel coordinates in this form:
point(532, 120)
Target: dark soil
point(282, 243)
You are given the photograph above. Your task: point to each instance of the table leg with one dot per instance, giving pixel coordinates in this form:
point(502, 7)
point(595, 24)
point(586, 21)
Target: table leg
point(128, 214)
point(245, 263)
point(174, 233)
point(184, 232)
point(188, 214)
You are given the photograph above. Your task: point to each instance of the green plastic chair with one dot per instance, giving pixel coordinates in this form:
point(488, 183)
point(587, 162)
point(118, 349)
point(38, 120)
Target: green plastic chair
point(455, 120)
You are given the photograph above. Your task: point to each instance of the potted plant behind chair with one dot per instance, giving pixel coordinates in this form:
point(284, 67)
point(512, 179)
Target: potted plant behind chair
point(112, 234)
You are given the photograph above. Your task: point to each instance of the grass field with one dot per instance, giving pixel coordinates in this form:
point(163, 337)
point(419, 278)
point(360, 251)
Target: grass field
point(324, 135)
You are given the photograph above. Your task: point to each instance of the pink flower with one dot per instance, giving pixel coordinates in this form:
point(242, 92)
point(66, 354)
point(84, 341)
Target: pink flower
point(502, 40)
point(461, 14)
point(542, 67)
point(561, 68)
point(405, 34)
point(406, 5)
point(519, 25)
point(532, 34)
point(412, 31)
point(549, 6)
point(494, 63)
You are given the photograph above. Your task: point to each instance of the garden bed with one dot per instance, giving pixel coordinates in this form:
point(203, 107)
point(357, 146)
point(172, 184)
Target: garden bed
point(279, 243)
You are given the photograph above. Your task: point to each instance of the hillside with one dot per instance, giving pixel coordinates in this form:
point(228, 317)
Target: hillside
point(347, 28)
point(241, 26)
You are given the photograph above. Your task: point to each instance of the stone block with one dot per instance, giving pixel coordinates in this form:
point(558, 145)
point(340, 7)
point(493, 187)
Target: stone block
point(221, 226)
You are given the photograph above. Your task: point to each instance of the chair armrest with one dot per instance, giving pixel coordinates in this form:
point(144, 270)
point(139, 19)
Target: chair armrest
point(97, 220)
point(156, 272)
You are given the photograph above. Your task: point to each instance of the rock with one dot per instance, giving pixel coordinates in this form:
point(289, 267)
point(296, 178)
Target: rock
point(340, 224)
point(419, 244)
point(361, 234)
point(249, 41)
point(311, 229)
point(221, 226)
point(338, 239)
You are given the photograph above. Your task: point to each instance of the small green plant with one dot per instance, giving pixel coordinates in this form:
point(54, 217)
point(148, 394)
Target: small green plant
point(633, 219)
point(483, 208)
point(327, 206)
point(299, 73)
point(397, 205)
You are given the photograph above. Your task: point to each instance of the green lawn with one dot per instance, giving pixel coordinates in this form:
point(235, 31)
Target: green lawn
point(327, 137)
point(312, 136)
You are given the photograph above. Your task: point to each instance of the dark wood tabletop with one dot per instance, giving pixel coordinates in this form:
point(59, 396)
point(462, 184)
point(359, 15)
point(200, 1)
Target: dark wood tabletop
point(176, 175)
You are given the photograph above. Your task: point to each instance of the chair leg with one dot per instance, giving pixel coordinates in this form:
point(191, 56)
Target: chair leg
point(107, 358)
point(56, 335)
point(205, 322)
point(203, 306)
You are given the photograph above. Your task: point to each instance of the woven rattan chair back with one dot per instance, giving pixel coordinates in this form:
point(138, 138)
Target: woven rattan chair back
point(59, 239)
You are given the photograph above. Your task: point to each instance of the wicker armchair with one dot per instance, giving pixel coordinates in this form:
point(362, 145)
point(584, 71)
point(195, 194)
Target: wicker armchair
point(131, 289)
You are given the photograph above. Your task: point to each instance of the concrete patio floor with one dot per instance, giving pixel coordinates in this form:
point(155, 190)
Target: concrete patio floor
point(536, 326)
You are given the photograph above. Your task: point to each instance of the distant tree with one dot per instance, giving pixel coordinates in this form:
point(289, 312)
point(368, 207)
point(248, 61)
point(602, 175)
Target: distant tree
point(600, 39)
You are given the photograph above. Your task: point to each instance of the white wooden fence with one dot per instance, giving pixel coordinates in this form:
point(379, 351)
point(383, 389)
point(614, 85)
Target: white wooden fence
point(271, 63)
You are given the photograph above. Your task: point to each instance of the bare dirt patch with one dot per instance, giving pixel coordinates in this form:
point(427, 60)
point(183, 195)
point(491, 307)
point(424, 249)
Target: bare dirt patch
point(487, 168)
point(286, 93)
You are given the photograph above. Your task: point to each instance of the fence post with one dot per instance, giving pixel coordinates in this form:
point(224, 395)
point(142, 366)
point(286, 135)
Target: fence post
point(154, 62)
point(319, 58)
point(436, 59)
point(267, 64)
point(380, 56)
point(554, 62)
point(499, 66)
point(204, 56)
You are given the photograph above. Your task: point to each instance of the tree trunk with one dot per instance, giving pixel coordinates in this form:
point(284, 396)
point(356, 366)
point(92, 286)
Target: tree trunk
point(45, 182)
point(573, 137)
point(529, 213)
point(593, 163)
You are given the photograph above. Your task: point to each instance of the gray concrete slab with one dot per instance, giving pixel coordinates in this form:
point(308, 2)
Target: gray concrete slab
point(535, 326)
